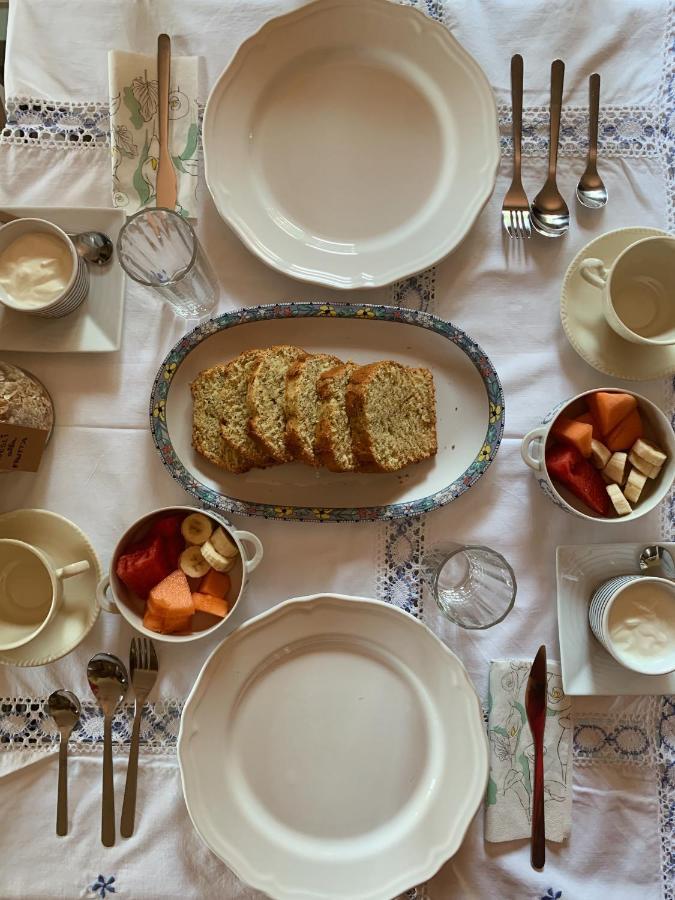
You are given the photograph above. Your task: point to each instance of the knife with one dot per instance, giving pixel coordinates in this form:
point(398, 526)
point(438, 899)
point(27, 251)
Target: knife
point(166, 192)
point(536, 695)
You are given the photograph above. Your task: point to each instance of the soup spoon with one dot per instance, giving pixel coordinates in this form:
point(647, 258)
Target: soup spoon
point(550, 215)
point(64, 708)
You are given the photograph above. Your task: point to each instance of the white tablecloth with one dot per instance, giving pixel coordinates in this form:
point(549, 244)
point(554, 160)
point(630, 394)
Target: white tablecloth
point(102, 470)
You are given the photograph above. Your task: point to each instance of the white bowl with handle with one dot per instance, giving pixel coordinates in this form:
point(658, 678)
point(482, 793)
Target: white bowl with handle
point(657, 428)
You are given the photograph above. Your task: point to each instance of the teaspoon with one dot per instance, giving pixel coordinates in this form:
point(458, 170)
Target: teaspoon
point(64, 708)
point(591, 191)
point(657, 561)
point(93, 246)
point(108, 681)
point(550, 215)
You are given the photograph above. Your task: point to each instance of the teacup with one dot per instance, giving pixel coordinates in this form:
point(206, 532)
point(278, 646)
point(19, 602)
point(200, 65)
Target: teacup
point(633, 617)
point(126, 603)
point(638, 290)
point(31, 591)
point(75, 288)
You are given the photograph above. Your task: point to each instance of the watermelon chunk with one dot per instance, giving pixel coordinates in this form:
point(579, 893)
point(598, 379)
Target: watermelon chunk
point(566, 465)
point(141, 569)
point(168, 529)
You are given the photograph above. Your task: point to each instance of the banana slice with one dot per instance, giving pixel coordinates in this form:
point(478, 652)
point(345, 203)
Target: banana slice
point(643, 466)
point(196, 528)
point(600, 455)
point(649, 453)
point(223, 544)
point(619, 502)
point(634, 485)
point(214, 559)
point(193, 563)
point(616, 467)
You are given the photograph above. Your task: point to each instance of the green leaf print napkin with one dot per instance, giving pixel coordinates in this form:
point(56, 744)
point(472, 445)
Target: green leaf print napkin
point(508, 804)
point(134, 129)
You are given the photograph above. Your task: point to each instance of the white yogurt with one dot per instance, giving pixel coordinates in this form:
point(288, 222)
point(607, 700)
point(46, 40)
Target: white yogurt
point(35, 269)
point(641, 624)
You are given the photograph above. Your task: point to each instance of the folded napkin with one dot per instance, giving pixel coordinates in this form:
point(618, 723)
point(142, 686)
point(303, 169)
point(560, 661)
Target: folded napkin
point(134, 129)
point(508, 806)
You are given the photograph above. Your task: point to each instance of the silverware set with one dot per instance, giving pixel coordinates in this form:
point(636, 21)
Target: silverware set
point(548, 213)
point(109, 682)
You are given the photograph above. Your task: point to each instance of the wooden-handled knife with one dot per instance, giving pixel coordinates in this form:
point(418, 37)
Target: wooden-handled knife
point(536, 699)
point(166, 192)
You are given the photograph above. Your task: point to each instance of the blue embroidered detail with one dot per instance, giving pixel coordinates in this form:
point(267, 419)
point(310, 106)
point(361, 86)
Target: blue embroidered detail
point(103, 886)
point(552, 895)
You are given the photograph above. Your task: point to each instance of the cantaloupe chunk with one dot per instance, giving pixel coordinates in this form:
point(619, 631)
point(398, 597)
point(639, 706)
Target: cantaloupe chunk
point(624, 435)
point(588, 419)
point(609, 409)
point(578, 434)
point(216, 584)
point(216, 606)
point(153, 622)
point(171, 598)
point(178, 626)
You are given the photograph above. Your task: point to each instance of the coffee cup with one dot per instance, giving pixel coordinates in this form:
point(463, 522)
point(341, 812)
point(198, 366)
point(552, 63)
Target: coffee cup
point(638, 290)
point(69, 275)
point(633, 617)
point(31, 591)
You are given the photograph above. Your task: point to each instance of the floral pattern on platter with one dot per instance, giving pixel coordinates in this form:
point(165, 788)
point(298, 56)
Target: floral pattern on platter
point(216, 500)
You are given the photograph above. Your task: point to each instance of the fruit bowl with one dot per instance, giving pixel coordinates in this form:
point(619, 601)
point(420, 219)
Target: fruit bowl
point(657, 429)
point(134, 559)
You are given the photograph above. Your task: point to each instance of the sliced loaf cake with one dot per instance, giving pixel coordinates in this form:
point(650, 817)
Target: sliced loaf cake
point(234, 408)
point(333, 445)
point(266, 399)
point(392, 413)
point(207, 437)
point(302, 404)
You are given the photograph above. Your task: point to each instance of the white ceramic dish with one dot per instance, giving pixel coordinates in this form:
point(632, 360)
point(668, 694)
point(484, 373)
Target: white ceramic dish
point(64, 542)
point(587, 668)
point(469, 400)
point(586, 327)
point(351, 142)
point(333, 748)
point(656, 428)
point(131, 607)
point(96, 326)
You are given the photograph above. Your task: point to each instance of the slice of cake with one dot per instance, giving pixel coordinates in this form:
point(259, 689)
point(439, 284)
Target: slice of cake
point(234, 409)
point(392, 413)
point(302, 404)
point(265, 400)
point(207, 437)
point(333, 445)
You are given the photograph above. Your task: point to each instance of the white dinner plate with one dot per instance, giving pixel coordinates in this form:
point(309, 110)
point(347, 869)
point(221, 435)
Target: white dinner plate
point(95, 326)
point(587, 668)
point(333, 748)
point(351, 142)
point(469, 412)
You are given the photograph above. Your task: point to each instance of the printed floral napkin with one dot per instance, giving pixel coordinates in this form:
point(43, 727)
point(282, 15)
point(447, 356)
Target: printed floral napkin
point(134, 129)
point(508, 805)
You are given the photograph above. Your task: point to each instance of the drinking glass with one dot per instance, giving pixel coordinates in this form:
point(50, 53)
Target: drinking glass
point(474, 586)
point(159, 249)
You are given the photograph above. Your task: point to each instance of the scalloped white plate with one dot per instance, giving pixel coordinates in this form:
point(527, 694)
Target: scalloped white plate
point(351, 142)
point(333, 748)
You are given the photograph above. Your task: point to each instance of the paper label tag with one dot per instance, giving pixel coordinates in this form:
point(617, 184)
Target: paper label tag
point(21, 448)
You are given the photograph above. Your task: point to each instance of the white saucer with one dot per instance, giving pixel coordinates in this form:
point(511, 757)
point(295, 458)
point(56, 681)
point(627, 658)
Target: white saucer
point(65, 543)
point(587, 668)
point(96, 326)
point(586, 328)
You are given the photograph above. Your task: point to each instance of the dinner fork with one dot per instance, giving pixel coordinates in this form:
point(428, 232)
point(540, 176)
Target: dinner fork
point(516, 209)
point(144, 667)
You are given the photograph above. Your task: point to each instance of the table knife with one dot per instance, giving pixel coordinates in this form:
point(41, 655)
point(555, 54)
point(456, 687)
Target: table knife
point(536, 695)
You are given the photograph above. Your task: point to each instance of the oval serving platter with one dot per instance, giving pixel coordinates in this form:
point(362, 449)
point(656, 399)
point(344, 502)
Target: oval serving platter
point(469, 408)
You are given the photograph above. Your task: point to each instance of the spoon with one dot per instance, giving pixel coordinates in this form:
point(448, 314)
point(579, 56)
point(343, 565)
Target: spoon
point(550, 215)
point(591, 191)
point(93, 246)
point(64, 708)
point(657, 561)
point(108, 680)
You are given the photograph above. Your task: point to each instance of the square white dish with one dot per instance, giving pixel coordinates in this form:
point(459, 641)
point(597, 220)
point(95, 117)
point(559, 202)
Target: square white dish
point(587, 668)
point(96, 327)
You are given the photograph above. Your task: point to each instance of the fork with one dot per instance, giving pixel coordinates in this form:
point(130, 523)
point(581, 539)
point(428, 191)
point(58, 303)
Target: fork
point(516, 209)
point(144, 667)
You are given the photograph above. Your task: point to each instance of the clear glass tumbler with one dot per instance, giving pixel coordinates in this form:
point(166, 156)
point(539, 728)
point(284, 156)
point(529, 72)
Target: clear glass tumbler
point(159, 249)
point(474, 586)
